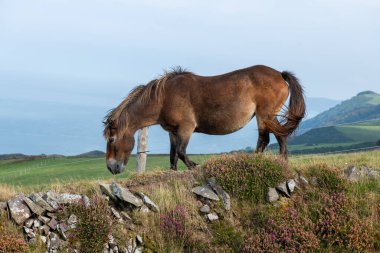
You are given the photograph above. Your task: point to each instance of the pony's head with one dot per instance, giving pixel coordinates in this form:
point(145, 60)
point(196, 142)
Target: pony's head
point(119, 147)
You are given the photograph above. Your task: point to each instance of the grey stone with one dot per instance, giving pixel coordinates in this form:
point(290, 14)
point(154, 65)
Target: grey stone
point(115, 249)
point(148, 202)
point(28, 223)
point(125, 216)
point(54, 241)
point(68, 198)
point(115, 213)
point(139, 240)
point(272, 195)
point(41, 202)
point(301, 181)
point(50, 197)
point(19, 210)
point(32, 241)
point(63, 227)
point(283, 189)
point(72, 219)
point(206, 192)
point(35, 208)
point(291, 184)
point(205, 209)
point(125, 195)
point(44, 219)
point(52, 215)
point(373, 174)
point(221, 193)
point(29, 232)
point(111, 241)
point(53, 224)
point(37, 223)
point(352, 174)
point(131, 246)
point(144, 209)
point(44, 230)
point(212, 217)
point(364, 171)
point(86, 201)
point(43, 239)
point(106, 189)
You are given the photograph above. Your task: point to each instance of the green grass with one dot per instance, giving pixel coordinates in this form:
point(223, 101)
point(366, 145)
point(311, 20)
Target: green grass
point(29, 173)
point(361, 133)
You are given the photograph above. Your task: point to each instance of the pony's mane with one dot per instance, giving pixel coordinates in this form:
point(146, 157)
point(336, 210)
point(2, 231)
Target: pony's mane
point(117, 118)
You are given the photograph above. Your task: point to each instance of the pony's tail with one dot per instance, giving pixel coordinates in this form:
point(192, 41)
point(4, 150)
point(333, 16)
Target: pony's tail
point(296, 109)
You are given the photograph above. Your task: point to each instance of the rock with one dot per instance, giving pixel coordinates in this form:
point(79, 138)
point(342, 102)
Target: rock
point(272, 195)
point(301, 181)
point(373, 174)
point(291, 184)
point(139, 240)
point(41, 202)
point(283, 189)
point(72, 219)
point(32, 241)
point(206, 192)
point(37, 223)
point(44, 219)
point(54, 241)
point(28, 223)
point(52, 215)
point(144, 209)
point(29, 232)
point(131, 246)
point(86, 201)
point(205, 209)
point(33, 206)
point(352, 174)
point(125, 195)
point(45, 229)
point(364, 171)
point(63, 227)
point(221, 193)
point(50, 197)
point(115, 249)
point(148, 202)
point(3, 206)
point(111, 241)
point(212, 217)
point(43, 239)
point(115, 213)
point(19, 210)
point(53, 224)
point(68, 198)
point(125, 216)
point(106, 189)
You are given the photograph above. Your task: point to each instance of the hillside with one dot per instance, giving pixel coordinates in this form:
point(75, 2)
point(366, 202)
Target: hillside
point(363, 106)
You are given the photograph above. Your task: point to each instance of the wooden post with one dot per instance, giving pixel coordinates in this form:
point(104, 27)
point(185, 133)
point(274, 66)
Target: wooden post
point(142, 144)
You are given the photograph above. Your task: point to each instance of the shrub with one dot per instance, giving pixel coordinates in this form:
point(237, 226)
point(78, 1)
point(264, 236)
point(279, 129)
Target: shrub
point(246, 176)
point(286, 232)
point(225, 234)
point(173, 224)
point(337, 226)
point(11, 241)
point(93, 227)
point(328, 179)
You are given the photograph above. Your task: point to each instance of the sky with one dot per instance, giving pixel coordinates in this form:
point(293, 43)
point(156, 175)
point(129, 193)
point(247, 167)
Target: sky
point(61, 59)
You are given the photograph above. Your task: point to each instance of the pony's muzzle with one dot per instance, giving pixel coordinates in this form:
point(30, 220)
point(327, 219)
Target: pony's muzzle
point(115, 167)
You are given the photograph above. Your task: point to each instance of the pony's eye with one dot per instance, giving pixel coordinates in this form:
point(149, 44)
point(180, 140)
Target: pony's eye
point(112, 140)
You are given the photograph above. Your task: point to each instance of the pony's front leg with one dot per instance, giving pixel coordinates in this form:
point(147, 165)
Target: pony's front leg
point(183, 137)
point(173, 151)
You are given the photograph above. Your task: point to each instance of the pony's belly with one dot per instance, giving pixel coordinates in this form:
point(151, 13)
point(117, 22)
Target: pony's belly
point(225, 124)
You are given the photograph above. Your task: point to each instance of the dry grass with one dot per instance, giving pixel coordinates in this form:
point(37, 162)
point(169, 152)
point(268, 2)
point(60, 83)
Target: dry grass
point(7, 192)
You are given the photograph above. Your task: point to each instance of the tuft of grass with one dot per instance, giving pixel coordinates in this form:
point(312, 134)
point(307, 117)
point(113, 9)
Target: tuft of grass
point(93, 227)
point(224, 233)
point(246, 176)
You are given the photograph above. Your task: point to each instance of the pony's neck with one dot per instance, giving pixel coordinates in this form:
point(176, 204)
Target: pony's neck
point(143, 115)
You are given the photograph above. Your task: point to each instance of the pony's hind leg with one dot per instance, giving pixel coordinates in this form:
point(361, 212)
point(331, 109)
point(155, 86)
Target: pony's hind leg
point(263, 139)
point(183, 136)
point(282, 141)
point(173, 151)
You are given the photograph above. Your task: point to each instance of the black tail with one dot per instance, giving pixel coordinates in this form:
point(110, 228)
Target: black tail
point(296, 109)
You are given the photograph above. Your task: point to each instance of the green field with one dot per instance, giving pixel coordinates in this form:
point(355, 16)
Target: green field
point(39, 171)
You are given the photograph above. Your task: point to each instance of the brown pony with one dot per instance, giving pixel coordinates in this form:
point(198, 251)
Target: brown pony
point(183, 103)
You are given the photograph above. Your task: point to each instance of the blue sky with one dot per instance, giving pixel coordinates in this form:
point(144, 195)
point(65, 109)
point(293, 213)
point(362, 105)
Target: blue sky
point(89, 54)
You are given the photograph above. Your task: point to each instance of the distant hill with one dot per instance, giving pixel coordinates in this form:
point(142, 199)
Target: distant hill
point(363, 106)
point(91, 154)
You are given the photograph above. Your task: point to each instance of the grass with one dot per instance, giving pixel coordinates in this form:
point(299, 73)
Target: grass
point(33, 173)
point(291, 225)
